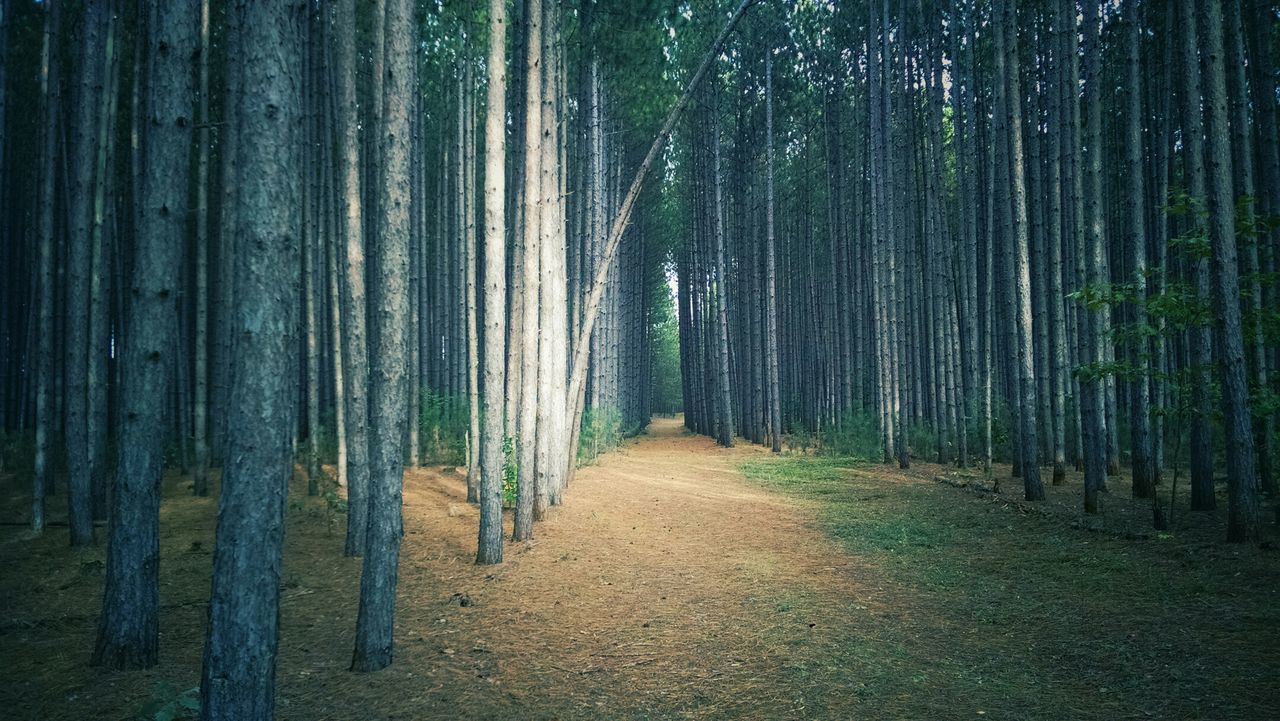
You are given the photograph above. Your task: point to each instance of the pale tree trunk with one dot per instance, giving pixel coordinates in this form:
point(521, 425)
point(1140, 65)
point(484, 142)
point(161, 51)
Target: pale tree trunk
point(238, 675)
point(1007, 72)
point(388, 353)
point(1135, 207)
point(471, 259)
point(355, 348)
point(492, 457)
point(526, 442)
point(771, 269)
point(724, 415)
point(128, 631)
point(1098, 326)
point(591, 309)
point(553, 311)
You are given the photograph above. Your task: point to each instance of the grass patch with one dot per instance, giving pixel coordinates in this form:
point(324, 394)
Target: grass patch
point(1022, 616)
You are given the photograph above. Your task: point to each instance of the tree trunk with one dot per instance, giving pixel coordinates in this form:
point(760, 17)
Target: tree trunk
point(200, 477)
point(128, 631)
point(527, 441)
point(355, 348)
point(492, 446)
point(238, 676)
point(1243, 517)
point(389, 353)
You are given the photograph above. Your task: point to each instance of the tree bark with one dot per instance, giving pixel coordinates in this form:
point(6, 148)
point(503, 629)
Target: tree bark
point(238, 676)
point(1243, 517)
point(375, 623)
point(492, 446)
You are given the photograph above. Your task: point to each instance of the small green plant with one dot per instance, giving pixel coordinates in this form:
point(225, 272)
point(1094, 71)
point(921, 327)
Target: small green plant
point(510, 472)
point(601, 433)
point(442, 427)
point(169, 704)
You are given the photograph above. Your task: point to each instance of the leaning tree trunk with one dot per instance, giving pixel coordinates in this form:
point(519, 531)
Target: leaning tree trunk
point(128, 631)
point(591, 308)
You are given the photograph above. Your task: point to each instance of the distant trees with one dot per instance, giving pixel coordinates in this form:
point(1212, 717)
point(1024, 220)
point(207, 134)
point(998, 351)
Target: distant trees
point(1004, 274)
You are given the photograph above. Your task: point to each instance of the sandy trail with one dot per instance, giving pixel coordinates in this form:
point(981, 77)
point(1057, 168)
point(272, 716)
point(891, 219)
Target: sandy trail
point(665, 587)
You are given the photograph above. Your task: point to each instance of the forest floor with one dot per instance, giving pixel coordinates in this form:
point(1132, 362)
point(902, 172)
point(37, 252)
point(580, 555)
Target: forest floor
point(686, 581)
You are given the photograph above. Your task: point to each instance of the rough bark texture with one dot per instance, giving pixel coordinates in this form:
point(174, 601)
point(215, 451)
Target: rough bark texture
point(238, 680)
point(1243, 516)
point(355, 348)
point(128, 631)
point(389, 354)
point(492, 457)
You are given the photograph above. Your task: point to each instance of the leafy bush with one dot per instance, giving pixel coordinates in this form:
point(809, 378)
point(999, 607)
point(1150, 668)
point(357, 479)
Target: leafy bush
point(857, 435)
point(601, 433)
point(442, 427)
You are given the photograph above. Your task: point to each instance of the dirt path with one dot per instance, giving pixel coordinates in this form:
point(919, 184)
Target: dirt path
point(666, 587)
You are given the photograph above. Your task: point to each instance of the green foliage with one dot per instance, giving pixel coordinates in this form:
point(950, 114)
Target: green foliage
point(510, 471)
point(857, 435)
point(667, 390)
point(601, 433)
point(169, 704)
point(443, 422)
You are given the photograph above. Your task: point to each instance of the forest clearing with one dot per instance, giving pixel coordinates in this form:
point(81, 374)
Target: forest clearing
point(639, 359)
point(675, 587)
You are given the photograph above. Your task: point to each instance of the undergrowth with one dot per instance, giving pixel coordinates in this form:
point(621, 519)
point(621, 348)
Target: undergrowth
point(1017, 615)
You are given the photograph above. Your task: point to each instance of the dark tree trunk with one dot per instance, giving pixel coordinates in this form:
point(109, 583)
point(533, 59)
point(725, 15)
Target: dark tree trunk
point(238, 678)
point(388, 354)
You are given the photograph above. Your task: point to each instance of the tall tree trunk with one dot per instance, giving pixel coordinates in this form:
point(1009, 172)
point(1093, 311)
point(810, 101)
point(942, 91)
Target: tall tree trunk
point(389, 354)
point(771, 271)
point(128, 631)
point(526, 444)
point(1033, 490)
point(1243, 519)
point(200, 477)
point(45, 424)
point(492, 446)
point(355, 347)
point(724, 412)
point(82, 153)
point(1135, 206)
point(238, 676)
